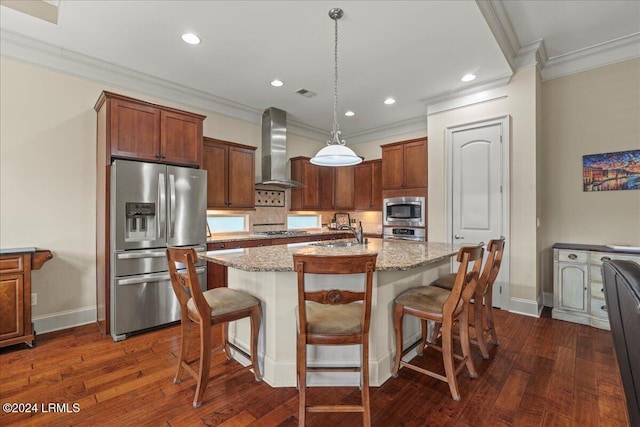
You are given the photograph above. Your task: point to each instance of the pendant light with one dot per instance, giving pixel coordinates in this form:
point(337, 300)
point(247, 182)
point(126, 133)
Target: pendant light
point(336, 153)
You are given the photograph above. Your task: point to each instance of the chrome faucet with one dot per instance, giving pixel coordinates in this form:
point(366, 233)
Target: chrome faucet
point(357, 233)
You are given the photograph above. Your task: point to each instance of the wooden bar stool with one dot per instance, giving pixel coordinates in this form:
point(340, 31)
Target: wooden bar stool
point(215, 306)
point(445, 307)
point(482, 307)
point(333, 317)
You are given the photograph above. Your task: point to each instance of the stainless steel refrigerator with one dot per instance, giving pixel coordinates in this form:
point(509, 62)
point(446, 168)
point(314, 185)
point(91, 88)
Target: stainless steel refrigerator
point(153, 206)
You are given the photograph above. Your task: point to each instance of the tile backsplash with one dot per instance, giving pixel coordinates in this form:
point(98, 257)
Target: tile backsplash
point(273, 215)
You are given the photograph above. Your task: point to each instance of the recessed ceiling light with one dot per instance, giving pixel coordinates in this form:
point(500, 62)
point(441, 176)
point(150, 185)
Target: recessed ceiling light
point(468, 77)
point(389, 101)
point(277, 83)
point(191, 38)
point(349, 113)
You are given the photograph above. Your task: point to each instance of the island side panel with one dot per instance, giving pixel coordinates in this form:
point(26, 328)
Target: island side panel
point(278, 293)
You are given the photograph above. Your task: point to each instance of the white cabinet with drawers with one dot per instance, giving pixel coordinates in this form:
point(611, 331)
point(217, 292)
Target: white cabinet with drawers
point(578, 290)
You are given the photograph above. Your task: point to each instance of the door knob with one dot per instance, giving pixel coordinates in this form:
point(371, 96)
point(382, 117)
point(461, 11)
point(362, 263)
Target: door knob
point(458, 237)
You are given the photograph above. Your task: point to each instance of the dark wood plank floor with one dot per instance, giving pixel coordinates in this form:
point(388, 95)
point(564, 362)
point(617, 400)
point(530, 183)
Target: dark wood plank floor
point(544, 373)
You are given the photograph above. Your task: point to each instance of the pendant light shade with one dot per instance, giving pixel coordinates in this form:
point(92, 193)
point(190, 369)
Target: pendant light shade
point(336, 153)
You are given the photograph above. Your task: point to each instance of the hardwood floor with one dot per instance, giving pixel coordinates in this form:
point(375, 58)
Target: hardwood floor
point(544, 373)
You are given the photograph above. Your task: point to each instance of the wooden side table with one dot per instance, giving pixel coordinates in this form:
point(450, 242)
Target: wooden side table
point(15, 293)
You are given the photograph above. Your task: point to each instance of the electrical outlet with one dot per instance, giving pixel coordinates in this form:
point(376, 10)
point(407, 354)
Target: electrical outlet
point(34, 299)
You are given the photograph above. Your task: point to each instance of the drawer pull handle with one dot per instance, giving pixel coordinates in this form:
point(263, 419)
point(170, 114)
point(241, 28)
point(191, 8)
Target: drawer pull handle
point(605, 258)
point(573, 256)
point(603, 308)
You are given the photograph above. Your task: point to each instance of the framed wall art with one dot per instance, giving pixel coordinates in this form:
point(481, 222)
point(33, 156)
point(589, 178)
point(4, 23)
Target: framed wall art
point(611, 171)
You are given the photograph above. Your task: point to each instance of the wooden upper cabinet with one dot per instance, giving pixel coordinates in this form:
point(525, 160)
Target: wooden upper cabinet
point(343, 194)
point(404, 164)
point(368, 186)
point(180, 138)
point(325, 187)
point(392, 167)
point(308, 174)
point(241, 179)
point(135, 130)
point(215, 163)
point(139, 130)
point(230, 174)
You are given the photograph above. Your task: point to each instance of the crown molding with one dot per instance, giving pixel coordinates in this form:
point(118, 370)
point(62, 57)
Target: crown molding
point(621, 49)
point(42, 54)
point(500, 25)
point(415, 124)
point(18, 47)
point(476, 94)
point(531, 54)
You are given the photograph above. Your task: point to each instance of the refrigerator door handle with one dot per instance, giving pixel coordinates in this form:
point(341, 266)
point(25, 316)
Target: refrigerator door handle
point(162, 201)
point(153, 277)
point(142, 255)
point(172, 206)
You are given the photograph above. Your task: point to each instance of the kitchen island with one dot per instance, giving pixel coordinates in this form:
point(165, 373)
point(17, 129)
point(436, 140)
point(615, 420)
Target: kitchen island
point(268, 274)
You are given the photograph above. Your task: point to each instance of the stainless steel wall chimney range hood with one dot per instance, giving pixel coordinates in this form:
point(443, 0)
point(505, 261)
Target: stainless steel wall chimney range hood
point(274, 149)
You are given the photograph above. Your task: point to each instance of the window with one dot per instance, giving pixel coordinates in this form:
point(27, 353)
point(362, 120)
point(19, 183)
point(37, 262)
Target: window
point(227, 223)
point(303, 221)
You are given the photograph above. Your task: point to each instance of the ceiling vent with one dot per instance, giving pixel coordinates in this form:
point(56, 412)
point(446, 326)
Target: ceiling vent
point(306, 93)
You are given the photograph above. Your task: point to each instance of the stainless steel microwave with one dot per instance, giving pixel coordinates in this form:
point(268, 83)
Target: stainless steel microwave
point(404, 211)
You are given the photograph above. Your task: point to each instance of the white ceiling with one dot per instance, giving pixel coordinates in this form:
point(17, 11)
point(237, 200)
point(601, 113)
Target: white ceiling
point(414, 51)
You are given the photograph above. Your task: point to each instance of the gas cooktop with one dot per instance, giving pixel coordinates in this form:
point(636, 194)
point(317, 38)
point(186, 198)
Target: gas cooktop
point(282, 233)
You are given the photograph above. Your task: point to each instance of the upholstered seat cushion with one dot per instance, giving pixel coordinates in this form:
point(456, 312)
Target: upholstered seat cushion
point(342, 319)
point(429, 299)
point(224, 300)
point(445, 282)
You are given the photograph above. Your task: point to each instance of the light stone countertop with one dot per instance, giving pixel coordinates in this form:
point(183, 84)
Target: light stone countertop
point(393, 255)
point(244, 235)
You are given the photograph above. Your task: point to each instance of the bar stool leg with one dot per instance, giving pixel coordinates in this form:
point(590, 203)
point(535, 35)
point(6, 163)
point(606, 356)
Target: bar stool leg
point(185, 340)
point(397, 326)
point(205, 362)
point(302, 381)
point(447, 358)
point(478, 326)
point(364, 371)
point(256, 316)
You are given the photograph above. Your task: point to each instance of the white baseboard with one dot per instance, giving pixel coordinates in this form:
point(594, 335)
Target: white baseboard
point(525, 306)
point(64, 319)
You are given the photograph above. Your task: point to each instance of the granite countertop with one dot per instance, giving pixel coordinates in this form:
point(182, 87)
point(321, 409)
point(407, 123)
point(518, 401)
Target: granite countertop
point(393, 255)
point(242, 236)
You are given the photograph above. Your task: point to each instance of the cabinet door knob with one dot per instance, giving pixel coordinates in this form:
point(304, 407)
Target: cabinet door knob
point(573, 256)
point(605, 258)
point(603, 308)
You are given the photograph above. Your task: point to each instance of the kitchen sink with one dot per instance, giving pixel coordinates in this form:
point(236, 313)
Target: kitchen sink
point(336, 244)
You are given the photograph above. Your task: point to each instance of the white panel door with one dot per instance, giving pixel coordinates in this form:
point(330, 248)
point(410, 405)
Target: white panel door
point(477, 197)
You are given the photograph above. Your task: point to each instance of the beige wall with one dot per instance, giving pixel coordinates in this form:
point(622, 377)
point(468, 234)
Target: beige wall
point(595, 111)
point(520, 105)
point(48, 172)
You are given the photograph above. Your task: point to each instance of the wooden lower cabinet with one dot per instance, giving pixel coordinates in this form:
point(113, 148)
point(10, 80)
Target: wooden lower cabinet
point(15, 295)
